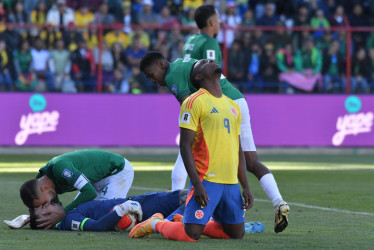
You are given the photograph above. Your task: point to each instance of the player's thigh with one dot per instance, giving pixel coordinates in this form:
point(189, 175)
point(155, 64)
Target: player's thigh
point(230, 208)
point(246, 136)
point(117, 186)
point(194, 213)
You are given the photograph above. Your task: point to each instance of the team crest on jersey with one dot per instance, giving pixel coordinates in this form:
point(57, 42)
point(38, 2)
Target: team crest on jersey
point(199, 214)
point(67, 174)
point(174, 89)
point(233, 111)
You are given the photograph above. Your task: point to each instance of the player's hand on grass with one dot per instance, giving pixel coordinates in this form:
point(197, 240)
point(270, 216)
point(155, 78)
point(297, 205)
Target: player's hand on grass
point(50, 219)
point(248, 199)
point(201, 195)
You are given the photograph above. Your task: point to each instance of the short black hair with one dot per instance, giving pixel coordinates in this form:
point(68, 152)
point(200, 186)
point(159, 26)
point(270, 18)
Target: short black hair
point(33, 218)
point(28, 192)
point(193, 74)
point(202, 14)
point(150, 58)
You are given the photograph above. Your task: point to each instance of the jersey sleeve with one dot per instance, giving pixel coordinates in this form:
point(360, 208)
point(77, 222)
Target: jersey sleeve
point(177, 85)
point(190, 113)
point(239, 119)
point(212, 51)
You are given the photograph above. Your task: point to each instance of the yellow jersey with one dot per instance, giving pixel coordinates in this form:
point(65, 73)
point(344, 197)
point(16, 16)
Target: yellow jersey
point(216, 122)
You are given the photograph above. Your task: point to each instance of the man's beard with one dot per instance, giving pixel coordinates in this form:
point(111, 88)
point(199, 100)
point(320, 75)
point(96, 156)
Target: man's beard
point(218, 70)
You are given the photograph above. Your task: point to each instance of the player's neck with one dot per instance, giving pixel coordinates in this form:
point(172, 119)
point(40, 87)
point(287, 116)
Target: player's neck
point(213, 87)
point(207, 31)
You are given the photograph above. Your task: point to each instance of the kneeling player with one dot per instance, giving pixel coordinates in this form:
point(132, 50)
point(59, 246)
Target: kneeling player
point(103, 215)
point(214, 160)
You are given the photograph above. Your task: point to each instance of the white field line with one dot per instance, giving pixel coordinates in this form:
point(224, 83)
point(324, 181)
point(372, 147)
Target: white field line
point(268, 201)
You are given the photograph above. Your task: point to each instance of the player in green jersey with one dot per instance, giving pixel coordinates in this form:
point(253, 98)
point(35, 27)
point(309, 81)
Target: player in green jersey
point(96, 174)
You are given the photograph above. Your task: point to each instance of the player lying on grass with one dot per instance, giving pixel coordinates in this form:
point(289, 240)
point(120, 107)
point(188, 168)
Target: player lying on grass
point(177, 77)
point(103, 215)
point(96, 174)
point(211, 152)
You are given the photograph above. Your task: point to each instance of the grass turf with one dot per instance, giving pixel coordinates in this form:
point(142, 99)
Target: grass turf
point(342, 182)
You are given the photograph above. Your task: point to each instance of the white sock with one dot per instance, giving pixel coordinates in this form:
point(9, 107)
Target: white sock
point(179, 174)
point(270, 187)
point(154, 222)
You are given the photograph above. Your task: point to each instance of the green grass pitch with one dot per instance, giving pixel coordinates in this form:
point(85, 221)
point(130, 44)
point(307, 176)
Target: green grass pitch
point(331, 200)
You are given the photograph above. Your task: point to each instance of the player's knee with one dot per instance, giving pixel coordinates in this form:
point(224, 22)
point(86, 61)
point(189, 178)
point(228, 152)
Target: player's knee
point(194, 235)
point(193, 231)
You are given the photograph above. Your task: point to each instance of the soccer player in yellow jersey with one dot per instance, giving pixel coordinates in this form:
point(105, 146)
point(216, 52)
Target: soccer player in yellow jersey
point(214, 160)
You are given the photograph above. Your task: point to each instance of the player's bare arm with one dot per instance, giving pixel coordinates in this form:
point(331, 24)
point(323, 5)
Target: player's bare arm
point(186, 140)
point(243, 179)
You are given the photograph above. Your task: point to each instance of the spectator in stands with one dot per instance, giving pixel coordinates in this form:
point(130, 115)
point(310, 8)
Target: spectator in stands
point(333, 70)
point(371, 77)
point(176, 8)
point(126, 16)
point(144, 38)
point(50, 35)
point(39, 14)
point(119, 59)
point(146, 17)
point(117, 36)
point(134, 53)
point(236, 70)
point(20, 17)
point(230, 19)
point(268, 69)
point(324, 43)
point(361, 70)
point(22, 59)
point(61, 14)
point(177, 51)
point(287, 66)
point(338, 19)
point(5, 78)
point(3, 16)
point(192, 4)
point(102, 16)
point(90, 35)
point(248, 20)
point(259, 37)
point(280, 37)
point(84, 16)
point(269, 18)
point(40, 67)
point(310, 61)
point(83, 68)
point(119, 85)
point(359, 19)
point(137, 81)
point(319, 21)
point(107, 63)
point(71, 37)
point(60, 66)
point(188, 18)
point(302, 17)
point(31, 5)
point(254, 80)
point(165, 19)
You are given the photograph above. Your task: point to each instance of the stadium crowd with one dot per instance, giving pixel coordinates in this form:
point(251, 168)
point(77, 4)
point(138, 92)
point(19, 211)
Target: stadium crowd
point(56, 45)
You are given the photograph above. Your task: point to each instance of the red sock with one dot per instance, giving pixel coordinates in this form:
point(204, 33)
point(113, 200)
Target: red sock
point(214, 229)
point(173, 231)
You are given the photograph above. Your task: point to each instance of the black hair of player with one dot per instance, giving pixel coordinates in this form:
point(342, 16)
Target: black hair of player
point(149, 59)
point(202, 15)
point(28, 192)
point(33, 218)
point(193, 75)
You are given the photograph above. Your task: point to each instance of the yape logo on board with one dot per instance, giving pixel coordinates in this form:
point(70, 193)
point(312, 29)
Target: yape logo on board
point(354, 122)
point(36, 122)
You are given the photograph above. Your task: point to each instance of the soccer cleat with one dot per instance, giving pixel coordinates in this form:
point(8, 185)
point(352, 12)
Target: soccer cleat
point(144, 228)
point(18, 222)
point(178, 218)
point(281, 212)
point(254, 227)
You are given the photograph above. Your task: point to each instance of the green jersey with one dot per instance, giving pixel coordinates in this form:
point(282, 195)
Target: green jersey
point(178, 80)
point(78, 170)
point(202, 46)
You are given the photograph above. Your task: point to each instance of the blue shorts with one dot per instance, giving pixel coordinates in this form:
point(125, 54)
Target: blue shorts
point(225, 205)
